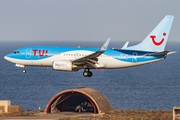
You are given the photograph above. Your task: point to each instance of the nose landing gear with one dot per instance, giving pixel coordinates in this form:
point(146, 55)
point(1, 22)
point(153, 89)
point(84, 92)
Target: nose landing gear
point(24, 70)
point(87, 73)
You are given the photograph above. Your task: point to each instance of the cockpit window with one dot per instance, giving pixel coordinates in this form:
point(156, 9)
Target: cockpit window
point(16, 52)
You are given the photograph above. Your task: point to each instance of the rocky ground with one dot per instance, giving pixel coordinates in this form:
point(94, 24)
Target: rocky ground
point(115, 114)
point(130, 115)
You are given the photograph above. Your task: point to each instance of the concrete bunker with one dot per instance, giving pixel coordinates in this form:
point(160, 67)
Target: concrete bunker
point(81, 99)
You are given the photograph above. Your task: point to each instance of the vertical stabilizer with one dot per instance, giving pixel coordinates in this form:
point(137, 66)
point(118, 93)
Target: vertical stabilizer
point(156, 40)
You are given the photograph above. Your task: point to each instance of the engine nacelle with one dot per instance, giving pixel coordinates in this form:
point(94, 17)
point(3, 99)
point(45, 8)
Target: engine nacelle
point(64, 66)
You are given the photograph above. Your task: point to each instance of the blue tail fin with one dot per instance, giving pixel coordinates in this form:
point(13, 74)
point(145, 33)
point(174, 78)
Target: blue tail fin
point(156, 40)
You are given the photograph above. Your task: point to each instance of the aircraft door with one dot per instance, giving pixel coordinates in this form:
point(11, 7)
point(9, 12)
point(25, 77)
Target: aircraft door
point(134, 57)
point(76, 55)
point(28, 53)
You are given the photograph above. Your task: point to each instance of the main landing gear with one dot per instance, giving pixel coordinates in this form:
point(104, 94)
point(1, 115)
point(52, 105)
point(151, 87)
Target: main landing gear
point(87, 73)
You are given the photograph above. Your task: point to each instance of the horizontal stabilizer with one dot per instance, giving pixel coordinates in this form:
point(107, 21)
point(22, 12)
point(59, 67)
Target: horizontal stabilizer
point(159, 53)
point(171, 52)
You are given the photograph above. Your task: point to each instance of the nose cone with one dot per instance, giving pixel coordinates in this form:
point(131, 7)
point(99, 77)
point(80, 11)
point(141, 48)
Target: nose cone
point(5, 57)
point(8, 57)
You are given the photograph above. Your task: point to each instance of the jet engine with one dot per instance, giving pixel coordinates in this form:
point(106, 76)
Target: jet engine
point(64, 66)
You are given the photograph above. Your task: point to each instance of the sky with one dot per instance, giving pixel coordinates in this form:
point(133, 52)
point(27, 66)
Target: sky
point(85, 20)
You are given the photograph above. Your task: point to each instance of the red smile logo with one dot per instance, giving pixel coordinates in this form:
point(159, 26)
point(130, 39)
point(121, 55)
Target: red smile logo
point(157, 43)
point(105, 47)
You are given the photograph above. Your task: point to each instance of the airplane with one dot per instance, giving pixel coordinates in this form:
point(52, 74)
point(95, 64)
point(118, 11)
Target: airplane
point(151, 49)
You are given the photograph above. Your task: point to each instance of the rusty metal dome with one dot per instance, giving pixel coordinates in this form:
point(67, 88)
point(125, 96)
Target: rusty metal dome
point(68, 100)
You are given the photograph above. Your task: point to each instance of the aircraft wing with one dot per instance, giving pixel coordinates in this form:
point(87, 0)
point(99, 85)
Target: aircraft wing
point(90, 61)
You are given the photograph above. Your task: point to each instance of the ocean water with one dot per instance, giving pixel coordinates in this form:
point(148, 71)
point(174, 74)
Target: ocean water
point(151, 86)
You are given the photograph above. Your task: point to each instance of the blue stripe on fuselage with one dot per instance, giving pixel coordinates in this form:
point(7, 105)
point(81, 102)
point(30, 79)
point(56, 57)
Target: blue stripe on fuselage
point(125, 55)
point(137, 56)
point(131, 52)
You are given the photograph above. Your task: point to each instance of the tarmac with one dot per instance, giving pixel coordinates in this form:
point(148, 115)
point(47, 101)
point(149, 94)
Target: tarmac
point(53, 116)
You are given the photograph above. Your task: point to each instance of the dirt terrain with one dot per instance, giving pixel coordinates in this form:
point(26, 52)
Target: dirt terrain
point(115, 114)
point(130, 115)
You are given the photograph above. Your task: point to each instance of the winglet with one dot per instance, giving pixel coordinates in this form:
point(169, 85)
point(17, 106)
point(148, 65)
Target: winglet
point(105, 45)
point(125, 45)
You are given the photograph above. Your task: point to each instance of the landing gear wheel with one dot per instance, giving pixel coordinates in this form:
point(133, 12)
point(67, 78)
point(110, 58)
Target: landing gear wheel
point(90, 74)
point(87, 73)
point(24, 71)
